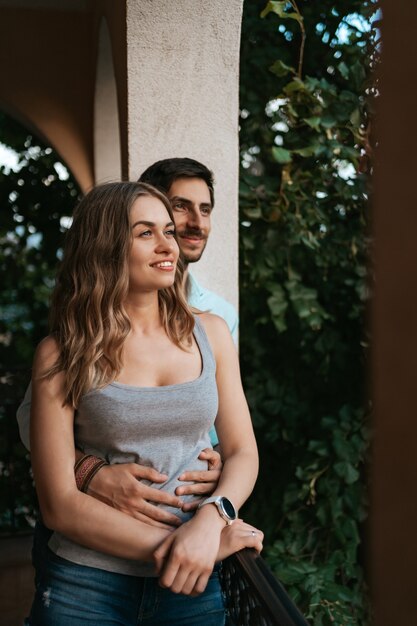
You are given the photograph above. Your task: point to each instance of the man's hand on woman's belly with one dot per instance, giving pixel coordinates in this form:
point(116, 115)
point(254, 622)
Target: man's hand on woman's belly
point(119, 485)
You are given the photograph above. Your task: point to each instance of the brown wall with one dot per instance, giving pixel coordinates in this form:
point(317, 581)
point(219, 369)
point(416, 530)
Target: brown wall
point(47, 64)
point(394, 475)
point(16, 579)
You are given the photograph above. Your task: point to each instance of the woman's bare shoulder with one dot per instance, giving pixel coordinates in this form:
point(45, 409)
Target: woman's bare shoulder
point(217, 331)
point(213, 323)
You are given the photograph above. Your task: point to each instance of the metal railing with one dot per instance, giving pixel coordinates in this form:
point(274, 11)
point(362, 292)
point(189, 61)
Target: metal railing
point(254, 597)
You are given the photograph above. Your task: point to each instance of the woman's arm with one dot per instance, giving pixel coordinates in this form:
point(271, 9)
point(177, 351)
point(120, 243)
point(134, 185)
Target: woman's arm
point(78, 516)
point(233, 422)
point(186, 558)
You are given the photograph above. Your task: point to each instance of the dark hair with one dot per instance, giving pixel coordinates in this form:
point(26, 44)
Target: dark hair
point(163, 173)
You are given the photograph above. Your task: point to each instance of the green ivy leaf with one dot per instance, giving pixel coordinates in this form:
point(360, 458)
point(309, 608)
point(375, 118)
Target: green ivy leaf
point(278, 7)
point(308, 151)
point(279, 68)
point(253, 212)
point(328, 121)
point(295, 85)
point(281, 155)
point(343, 69)
point(355, 118)
point(313, 122)
point(278, 305)
point(346, 471)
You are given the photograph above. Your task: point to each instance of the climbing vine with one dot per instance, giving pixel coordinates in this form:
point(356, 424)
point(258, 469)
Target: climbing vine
point(307, 93)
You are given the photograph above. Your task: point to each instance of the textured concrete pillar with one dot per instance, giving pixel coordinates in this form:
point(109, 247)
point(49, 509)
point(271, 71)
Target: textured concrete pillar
point(182, 67)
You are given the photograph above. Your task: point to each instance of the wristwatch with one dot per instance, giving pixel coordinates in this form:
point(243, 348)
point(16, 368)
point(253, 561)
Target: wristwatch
point(224, 506)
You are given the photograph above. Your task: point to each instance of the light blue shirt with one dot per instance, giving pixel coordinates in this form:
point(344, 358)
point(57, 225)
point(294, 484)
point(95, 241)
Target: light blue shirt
point(206, 300)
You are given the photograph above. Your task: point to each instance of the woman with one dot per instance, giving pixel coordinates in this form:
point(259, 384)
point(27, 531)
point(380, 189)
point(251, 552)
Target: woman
point(133, 376)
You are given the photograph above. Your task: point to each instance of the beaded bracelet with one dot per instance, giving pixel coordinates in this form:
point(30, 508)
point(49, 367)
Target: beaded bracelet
point(85, 469)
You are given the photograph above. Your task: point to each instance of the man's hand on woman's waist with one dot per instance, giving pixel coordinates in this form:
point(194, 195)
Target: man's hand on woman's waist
point(120, 486)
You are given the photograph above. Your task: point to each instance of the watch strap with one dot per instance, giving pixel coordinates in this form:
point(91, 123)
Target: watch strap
point(211, 500)
point(217, 501)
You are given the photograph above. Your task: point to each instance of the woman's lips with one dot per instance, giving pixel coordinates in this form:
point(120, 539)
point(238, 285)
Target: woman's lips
point(165, 266)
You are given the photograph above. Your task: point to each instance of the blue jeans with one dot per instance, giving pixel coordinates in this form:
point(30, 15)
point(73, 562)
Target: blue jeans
point(68, 594)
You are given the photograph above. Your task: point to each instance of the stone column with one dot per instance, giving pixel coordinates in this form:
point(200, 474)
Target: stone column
point(182, 77)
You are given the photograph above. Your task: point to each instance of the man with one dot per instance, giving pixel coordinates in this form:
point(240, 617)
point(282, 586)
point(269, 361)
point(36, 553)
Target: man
point(189, 186)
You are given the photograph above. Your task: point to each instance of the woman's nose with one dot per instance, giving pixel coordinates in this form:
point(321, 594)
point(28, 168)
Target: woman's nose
point(165, 244)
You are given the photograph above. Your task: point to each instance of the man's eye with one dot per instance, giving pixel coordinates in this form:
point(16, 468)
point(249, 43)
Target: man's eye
point(179, 206)
point(205, 211)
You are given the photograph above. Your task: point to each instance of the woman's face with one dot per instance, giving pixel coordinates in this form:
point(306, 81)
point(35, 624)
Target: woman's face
point(154, 253)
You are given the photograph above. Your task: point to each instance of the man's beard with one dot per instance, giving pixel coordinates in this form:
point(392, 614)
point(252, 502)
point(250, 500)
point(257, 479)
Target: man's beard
point(188, 259)
point(198, 254)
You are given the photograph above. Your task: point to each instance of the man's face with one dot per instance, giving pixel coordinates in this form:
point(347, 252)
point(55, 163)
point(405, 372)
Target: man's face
point(191, 205)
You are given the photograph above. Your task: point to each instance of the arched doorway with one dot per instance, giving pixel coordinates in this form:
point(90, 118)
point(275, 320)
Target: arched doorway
point(37, 194)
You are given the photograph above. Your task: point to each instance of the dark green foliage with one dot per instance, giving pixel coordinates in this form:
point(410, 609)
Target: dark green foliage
point(305, 107)
point(34, 203)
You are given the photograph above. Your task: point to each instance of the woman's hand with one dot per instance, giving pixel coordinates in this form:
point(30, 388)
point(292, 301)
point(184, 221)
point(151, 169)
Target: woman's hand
point(202, 483)
point(185, 560)
point(237, 536)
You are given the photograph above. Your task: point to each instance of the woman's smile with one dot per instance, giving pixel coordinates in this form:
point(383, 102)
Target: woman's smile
point(165, 266)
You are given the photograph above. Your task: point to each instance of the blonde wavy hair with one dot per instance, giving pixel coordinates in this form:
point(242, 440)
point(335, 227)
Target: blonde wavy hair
point(88, 318)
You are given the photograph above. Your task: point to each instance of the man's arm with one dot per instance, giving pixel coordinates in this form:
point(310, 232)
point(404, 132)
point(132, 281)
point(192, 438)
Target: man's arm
point(23, 417)
point(120, 485)
point(234, 329)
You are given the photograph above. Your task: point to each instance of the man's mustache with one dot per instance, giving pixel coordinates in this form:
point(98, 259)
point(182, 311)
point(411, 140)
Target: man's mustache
point(192, 232)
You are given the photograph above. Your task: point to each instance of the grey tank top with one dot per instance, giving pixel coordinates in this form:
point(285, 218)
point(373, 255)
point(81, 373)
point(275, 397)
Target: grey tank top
point(161, 427)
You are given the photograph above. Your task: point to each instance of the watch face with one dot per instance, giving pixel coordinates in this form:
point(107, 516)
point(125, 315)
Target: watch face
point(228, 508)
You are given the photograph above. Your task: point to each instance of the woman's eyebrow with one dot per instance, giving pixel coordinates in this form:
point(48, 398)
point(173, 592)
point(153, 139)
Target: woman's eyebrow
point(150, 224)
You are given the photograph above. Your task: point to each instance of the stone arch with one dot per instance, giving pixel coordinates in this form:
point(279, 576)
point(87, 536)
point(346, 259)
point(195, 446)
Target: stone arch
point(52, 93)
